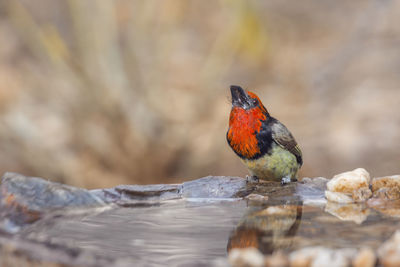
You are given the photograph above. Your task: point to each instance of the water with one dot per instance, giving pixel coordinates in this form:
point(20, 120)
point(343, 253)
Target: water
point(200, 232)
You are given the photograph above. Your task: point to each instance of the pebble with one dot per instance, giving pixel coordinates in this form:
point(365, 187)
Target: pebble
point(361, 195)
point(277, 259)
point(347, 187)
point(320, 256)
point(389, 252)
point(338, 197)
point(387, 187)
point(247, 257)
point(347, 182)
point(365, 258)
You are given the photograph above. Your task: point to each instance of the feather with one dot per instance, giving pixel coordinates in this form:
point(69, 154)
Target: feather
point(282, 136)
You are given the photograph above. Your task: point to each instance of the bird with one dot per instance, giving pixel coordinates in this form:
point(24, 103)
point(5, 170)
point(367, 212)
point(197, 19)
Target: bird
point(265, 146)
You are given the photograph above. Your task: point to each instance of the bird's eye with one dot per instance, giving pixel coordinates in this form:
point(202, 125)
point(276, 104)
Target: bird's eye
point(255, 101)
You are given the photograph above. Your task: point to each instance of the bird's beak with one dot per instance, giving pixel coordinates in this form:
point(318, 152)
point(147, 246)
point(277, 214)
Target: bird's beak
point(239, 97)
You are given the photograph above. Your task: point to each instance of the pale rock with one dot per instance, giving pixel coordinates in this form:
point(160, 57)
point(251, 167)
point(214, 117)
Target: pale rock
point(333, 258)
point(347, 187)
point(338, 197)
point(387, 187)
point(389, 252)
point(303, 257)
point(277, 259)
point(347, 182)
point(385, 193)
point(249, 257)
point(362, 194)
point(387, 181)
point(320, 256)
point(365, 258)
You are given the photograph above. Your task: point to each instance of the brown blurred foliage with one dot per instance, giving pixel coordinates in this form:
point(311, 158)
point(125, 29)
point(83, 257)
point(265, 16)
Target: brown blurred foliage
point(99, 93)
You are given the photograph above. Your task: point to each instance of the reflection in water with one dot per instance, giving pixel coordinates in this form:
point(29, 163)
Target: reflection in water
point(268, 228)
point(356, 212)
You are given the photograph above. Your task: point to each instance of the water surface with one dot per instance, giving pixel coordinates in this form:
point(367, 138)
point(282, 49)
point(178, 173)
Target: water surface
point(200, 232)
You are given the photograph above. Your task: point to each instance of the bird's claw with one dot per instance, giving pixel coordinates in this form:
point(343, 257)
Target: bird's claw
point(285, 180)
point(252, 179)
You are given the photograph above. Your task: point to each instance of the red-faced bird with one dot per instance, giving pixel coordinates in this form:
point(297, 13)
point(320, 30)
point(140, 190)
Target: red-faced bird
point(263, 144)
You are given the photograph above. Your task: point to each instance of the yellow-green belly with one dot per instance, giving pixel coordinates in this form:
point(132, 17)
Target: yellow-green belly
point(274, 166)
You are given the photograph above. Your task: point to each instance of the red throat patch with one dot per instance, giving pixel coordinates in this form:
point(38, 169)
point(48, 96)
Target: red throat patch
point(243, 127)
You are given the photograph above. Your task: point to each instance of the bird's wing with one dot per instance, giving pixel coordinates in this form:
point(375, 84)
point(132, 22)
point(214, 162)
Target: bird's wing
point(285, 139)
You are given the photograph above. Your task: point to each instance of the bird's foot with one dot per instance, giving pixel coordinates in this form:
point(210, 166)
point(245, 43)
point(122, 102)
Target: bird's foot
point(285, 180)
point(252, 179)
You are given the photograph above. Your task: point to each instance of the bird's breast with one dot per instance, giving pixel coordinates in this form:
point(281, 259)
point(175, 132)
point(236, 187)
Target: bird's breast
point(243, 128)
point(273, 166)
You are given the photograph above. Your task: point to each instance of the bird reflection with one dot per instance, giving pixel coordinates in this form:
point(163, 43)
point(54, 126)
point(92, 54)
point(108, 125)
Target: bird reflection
point(268, 227)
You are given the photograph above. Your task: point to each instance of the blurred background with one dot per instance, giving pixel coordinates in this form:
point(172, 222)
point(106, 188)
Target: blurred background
point(100, 93)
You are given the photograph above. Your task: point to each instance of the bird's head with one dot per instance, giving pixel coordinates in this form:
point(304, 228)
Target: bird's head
point(246, 100)
point(245, 122)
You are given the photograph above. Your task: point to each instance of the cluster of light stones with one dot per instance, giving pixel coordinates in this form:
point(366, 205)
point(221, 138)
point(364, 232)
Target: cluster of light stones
point(357, 186)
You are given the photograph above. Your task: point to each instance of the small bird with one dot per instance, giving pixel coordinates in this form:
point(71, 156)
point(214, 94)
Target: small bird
point(263, 144)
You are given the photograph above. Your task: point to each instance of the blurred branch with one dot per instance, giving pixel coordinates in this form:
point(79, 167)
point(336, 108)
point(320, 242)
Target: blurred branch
point(44, 43)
